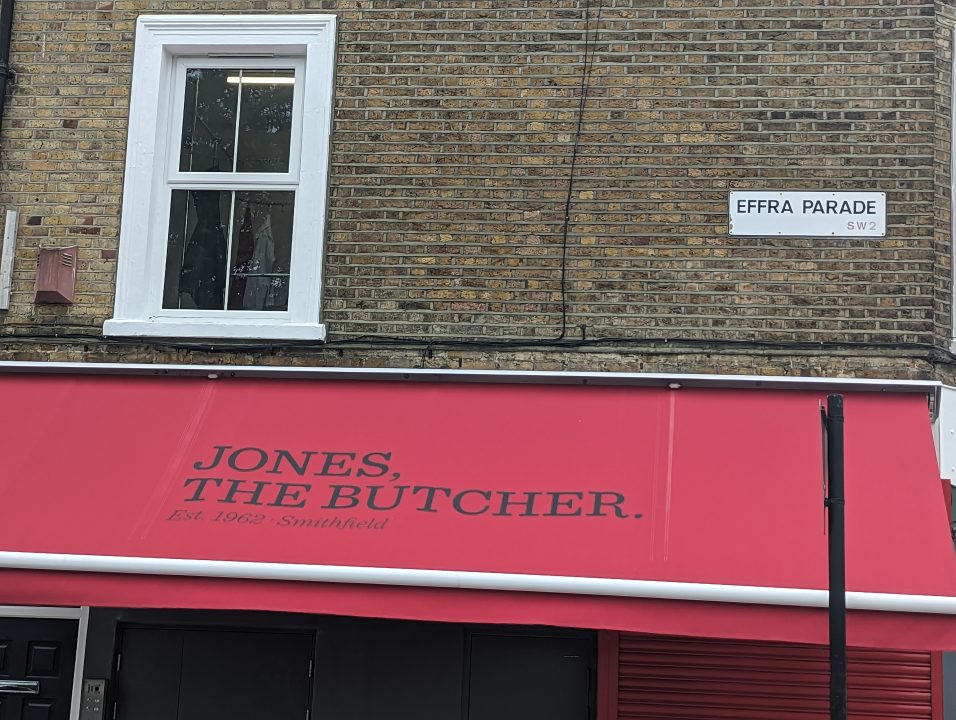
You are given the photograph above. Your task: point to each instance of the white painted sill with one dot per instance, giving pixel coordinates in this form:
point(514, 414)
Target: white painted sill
point(214, 329)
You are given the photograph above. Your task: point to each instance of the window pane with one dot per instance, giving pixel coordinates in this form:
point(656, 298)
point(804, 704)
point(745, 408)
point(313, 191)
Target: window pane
point(196, 250)
point(209, 121)
point(261, 251)
point(216, 100)
point(265, 120)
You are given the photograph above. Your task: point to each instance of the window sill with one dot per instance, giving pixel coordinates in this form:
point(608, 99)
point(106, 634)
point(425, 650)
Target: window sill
point(214, 329)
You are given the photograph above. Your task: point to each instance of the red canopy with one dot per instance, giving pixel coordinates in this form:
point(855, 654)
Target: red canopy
point(704, 507)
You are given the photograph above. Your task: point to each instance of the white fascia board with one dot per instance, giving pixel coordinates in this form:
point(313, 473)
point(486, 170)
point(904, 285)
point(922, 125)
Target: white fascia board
point(225, 329)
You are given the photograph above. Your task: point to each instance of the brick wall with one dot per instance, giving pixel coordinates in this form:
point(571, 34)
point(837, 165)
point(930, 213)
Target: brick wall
point(453, 129)
point(945, 24)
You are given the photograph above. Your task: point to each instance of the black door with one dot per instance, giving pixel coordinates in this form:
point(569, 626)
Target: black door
point(36, 668)
point(529, 677)
point(180, 674)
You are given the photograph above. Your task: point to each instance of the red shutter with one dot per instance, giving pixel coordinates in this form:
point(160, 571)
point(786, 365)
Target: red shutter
point(698, 679)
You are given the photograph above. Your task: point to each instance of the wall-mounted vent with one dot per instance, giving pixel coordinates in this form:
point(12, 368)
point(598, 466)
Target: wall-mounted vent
point(56, 275)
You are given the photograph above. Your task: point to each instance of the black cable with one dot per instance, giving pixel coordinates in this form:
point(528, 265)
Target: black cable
point(6, 31)
point(712, 345)
point(426, 353)
point(586, 67)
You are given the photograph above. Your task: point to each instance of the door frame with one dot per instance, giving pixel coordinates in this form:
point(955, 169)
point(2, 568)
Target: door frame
point(82, 614)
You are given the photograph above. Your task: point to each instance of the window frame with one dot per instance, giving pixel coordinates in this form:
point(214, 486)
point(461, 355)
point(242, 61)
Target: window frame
point(162, 43)
point(176, 179)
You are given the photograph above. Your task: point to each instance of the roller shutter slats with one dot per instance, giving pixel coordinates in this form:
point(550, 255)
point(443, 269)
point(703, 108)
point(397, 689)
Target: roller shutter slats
point(697, 679)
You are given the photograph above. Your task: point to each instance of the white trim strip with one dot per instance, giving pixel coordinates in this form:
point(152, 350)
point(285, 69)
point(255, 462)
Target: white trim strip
point(699, 592)
point(76, 699)
point(7, 256)
point(49, 613)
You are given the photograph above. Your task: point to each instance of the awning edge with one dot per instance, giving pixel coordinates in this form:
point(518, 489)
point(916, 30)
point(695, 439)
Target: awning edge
point(465, 580)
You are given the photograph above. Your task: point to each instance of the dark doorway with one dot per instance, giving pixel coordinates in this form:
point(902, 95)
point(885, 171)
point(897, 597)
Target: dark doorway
point(529, 677)
point(36, 668)
point(210, 665)
point(185, 674)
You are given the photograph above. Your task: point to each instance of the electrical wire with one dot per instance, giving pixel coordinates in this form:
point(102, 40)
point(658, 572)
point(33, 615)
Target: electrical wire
point(587, 65)
point(933, 353)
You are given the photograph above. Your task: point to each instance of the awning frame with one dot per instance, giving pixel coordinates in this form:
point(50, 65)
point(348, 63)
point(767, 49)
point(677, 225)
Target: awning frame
point(931, 388)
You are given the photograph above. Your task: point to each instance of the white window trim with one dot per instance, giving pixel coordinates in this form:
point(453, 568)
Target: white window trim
point(160, 41)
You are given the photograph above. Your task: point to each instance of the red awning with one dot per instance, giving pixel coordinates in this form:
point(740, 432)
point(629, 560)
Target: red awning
point(681, 511)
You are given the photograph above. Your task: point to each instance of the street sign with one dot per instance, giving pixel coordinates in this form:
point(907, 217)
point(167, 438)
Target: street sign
point(808, 214)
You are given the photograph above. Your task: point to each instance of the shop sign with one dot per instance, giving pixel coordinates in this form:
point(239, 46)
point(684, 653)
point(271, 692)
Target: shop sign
point(808, 214)
point(358, 474)
point(243, 485)
point(665, 483)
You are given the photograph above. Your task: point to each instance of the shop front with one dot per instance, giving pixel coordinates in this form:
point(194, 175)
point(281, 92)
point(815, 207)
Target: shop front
point(183, 542)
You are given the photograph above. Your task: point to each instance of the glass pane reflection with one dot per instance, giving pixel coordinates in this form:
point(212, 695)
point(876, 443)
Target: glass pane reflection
point(216, 100)
point(229, 250)
point(196, 250)
point(261, 251)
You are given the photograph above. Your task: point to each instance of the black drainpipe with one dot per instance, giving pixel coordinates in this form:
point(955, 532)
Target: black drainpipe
point(6, 29)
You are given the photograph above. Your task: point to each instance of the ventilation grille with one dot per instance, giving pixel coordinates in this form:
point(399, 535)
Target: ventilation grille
point(664, 678)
